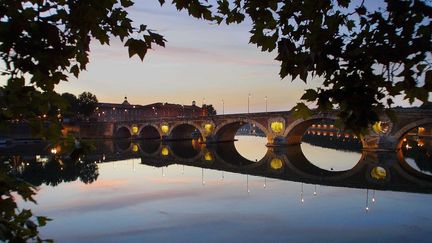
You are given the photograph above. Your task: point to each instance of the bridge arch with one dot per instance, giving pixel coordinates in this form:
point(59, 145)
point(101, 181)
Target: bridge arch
point(185, 131)
point(398, 135)
point(149, 131)
point(227, 130)
point(123, 131)
point(295, 131)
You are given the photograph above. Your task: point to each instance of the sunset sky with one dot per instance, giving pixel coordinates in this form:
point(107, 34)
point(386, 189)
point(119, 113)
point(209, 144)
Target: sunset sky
point(201, 61)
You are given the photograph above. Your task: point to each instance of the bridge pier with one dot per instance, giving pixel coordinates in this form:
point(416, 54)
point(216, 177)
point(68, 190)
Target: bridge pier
point(278, 142)
point(379, 143)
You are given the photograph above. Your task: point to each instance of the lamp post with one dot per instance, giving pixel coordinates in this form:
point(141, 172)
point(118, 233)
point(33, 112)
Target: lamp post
point(223, 107)
point(265, 98)
point(249, 95)
point(204, 108)
point(154, 111)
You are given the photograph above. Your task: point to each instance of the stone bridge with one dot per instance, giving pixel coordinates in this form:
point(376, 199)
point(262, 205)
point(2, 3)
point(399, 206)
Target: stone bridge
point(280, 128)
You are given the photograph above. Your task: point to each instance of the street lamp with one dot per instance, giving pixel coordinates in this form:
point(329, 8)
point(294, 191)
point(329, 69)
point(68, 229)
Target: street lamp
point(265, 98)
point(249, 95)
point(223, 107)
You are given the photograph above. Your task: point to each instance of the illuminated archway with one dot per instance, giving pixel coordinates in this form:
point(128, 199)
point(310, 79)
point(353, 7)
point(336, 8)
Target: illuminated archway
point(399, 135)
point(228, 130)
point(415, 147)
point(185, 131)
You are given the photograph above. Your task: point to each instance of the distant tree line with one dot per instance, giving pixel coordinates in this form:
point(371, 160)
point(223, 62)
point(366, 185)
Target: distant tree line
point(81, 107)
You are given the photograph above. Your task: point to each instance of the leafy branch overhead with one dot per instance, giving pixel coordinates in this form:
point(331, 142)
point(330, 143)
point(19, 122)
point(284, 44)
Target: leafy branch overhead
point(366, 56)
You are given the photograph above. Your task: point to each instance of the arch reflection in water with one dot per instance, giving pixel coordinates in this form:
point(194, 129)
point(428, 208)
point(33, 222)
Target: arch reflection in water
point(416, 150)
point(327, 147)
point(149, 147)
point(380, 171)
point(250, 147)
point(330, 159)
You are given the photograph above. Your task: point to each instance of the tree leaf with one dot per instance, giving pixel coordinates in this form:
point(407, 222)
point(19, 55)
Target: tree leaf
point(302, 111)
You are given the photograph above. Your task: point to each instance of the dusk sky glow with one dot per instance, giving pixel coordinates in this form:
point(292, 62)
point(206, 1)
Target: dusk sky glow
point(201, 61)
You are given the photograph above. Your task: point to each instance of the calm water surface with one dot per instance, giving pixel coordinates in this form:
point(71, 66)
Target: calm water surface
point(134, 202)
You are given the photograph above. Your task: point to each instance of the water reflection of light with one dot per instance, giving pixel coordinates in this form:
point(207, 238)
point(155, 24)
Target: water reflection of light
point(164, 151)
point(133, 165)
point(420, 143)
point(53, 150)
point(208, 156)
point(378, 173)
point(367, 201)
point(315, 190)
point(301, 194)
point(247, 183)
point(276, 163)
point(202, 177)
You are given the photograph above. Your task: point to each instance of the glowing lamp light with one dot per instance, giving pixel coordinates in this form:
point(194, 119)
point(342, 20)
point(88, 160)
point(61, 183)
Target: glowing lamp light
point(380, 127)
point(379, 173)
point(54, 151)
point(208, 156)
point(277, 126)
point(208, 127)
point(135, 129)
point(164, 129)
point(276, 163)
point(377, 127)
point(421, 130)
point(165, 151)
point(420, 143)
point(135, 148)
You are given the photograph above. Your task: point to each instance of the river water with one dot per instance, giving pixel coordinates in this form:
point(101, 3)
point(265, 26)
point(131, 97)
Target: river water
point(136, 192)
